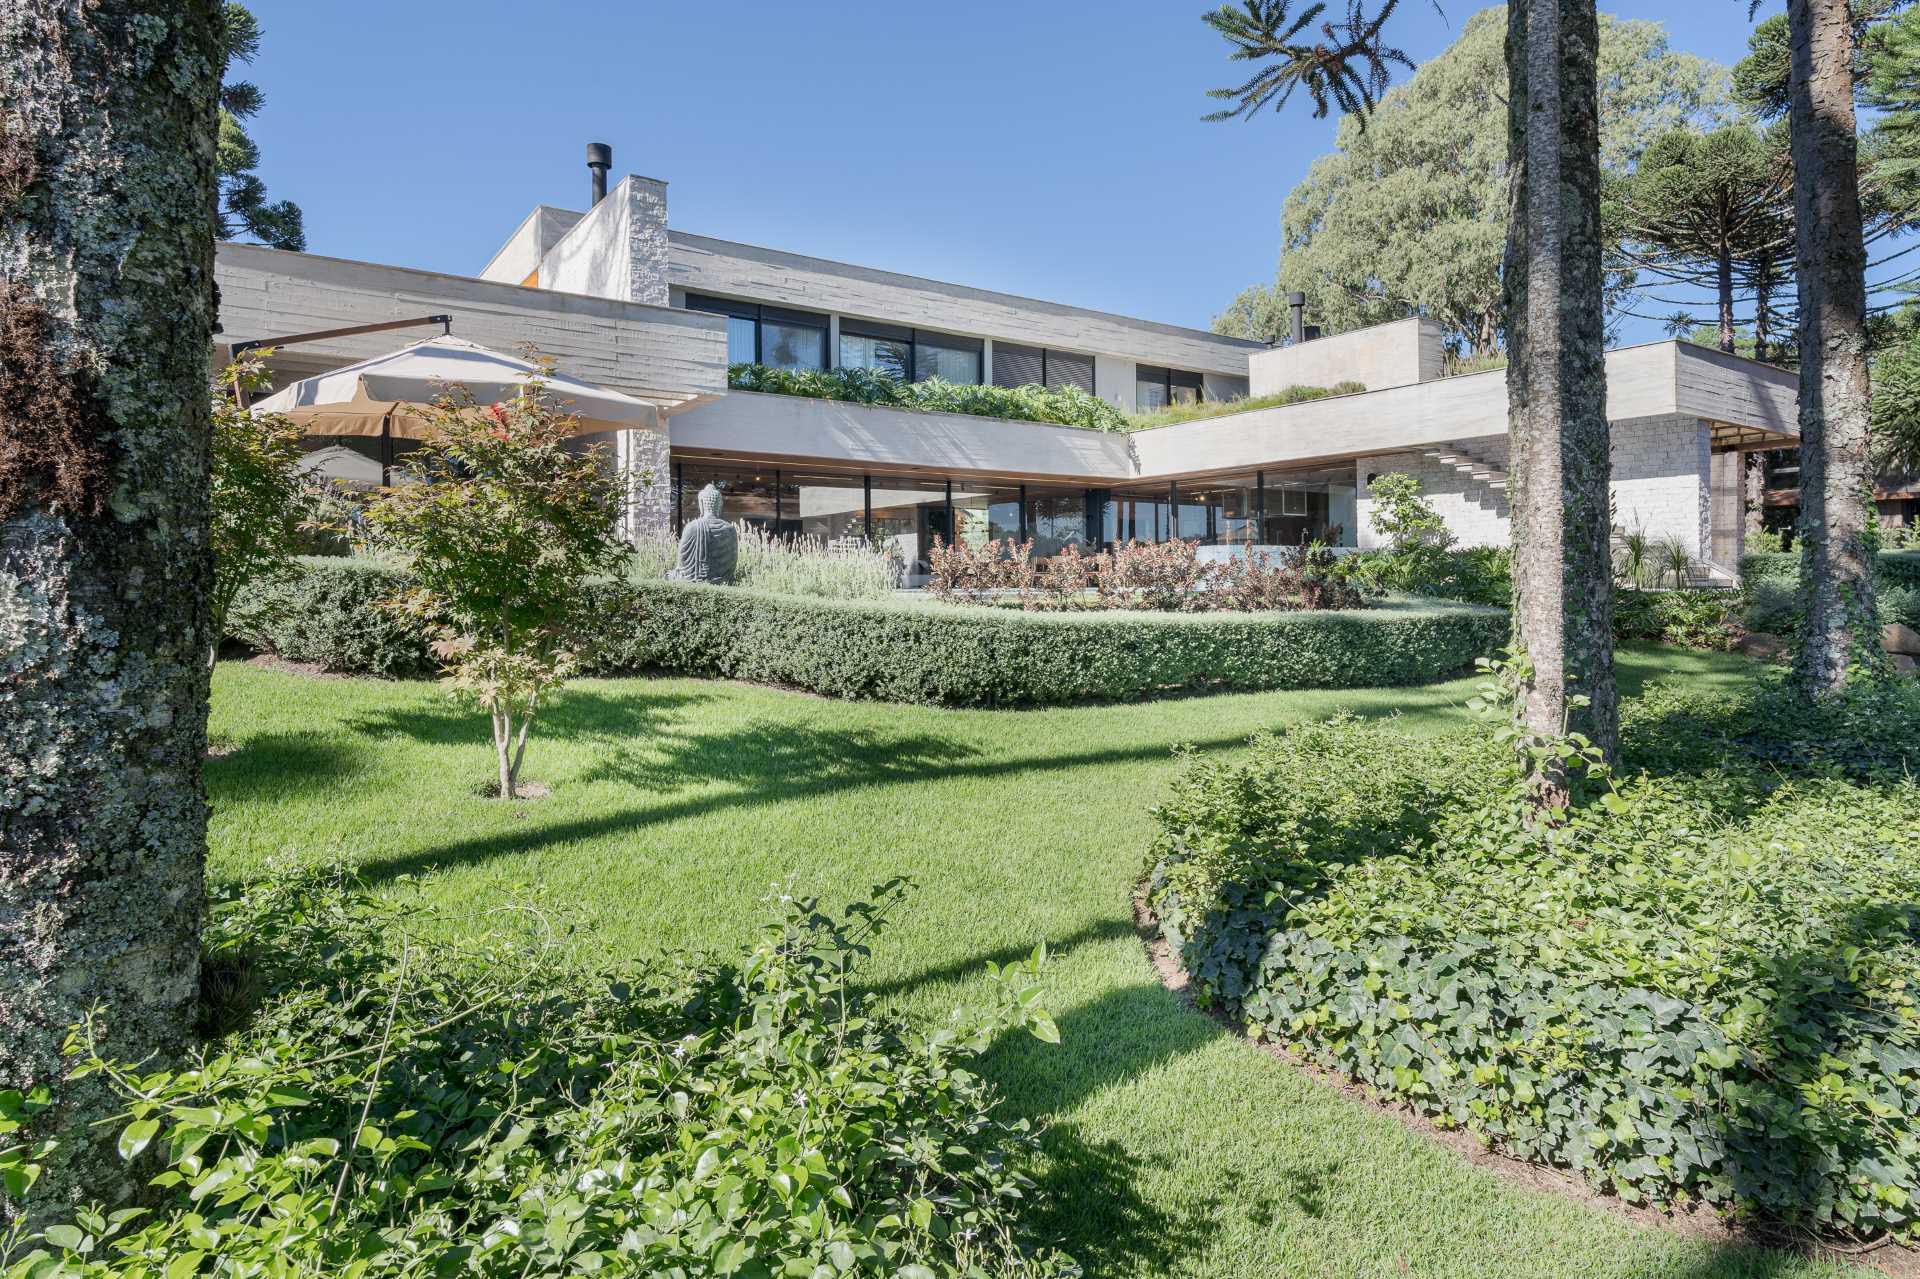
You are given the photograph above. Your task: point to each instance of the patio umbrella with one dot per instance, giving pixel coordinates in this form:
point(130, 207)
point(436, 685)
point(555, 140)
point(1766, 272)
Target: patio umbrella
point(389, 396)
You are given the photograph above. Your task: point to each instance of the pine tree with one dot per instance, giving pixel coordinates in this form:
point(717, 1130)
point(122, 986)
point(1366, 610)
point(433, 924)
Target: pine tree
point(108, 115)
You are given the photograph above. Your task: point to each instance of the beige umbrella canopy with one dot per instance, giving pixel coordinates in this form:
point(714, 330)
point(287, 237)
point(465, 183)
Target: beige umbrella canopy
point(388, 396)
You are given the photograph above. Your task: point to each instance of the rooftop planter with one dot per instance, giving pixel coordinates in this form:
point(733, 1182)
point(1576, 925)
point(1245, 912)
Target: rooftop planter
point(1059, 405)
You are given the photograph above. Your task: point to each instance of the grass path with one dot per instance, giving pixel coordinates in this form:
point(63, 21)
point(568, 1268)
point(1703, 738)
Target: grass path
point(1175, 1149)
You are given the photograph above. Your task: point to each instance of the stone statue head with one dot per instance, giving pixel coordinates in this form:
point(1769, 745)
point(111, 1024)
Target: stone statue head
point(710, 500)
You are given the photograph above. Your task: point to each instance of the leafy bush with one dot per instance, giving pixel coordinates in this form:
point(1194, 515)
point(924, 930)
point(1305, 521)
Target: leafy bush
point(403, 1105)
point(1891, 568)
point(328, 613)
point(257, 496)
point(1700, 986)
point(1159, 576)
point(1063, 405)
point(1696, 619)
point(1286, 395)
point(1474, 574)
point(787, 565)
point(917, 651)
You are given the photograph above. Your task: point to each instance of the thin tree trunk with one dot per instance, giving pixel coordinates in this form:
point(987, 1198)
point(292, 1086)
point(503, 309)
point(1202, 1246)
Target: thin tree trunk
point(1725, 271)
point(1836, 570)
point(1762, 308)
point(1556, 377)
point(107, 129)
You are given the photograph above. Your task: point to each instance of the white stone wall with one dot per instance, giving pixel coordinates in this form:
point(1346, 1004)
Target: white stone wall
point(1662, 468)
point(644, 456)
point(1662, 480)
point(1477, 514)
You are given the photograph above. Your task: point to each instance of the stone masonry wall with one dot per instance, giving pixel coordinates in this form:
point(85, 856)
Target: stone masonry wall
point(645, 457)
point(1661, 484)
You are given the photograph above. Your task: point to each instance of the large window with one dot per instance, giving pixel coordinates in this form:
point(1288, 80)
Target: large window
point(951, 359)
point(1156, 388)
point(884, 348)
point(1015, 365)
point(983, 514)
point(770, 335)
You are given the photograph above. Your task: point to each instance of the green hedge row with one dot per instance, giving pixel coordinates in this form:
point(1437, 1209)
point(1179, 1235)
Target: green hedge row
point(1891, 568)
point(947, 655)
point(1704, 988)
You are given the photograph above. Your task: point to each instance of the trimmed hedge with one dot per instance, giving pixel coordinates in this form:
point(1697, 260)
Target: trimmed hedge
point(1704, 987)
point(1891, 568)
point(947, 655)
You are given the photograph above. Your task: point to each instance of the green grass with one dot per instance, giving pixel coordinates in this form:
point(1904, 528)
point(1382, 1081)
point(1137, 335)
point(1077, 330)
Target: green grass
point(1173, 413)
point(1174, 1148)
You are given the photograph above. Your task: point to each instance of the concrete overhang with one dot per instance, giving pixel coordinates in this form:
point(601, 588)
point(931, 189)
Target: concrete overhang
point(674, 357)
point(1745, 404)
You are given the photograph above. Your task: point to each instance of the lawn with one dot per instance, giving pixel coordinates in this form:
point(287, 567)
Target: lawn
point(1175, 1148)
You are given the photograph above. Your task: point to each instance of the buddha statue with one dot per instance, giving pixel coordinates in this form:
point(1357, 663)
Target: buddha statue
point(709, 546)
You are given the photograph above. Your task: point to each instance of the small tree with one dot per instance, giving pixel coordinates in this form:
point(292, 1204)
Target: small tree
point(259, 494)
point(1417, 536)
point(502, 525)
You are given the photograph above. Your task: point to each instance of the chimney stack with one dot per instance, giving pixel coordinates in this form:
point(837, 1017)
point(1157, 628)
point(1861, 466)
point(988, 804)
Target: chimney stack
point(1297, 328)
point(599, 160)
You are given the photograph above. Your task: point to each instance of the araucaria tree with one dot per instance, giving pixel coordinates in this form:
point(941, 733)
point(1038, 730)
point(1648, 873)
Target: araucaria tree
point(502, 527)
point(1709, 210)
point(108, 117)
point(1556, 380)
point(244, 209)
point(258, 492)
point(1838, 630)
point(1556, 376)
point(1409, 212)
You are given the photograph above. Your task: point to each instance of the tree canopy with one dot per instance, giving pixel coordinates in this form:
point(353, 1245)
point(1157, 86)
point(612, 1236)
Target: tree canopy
point(1409, 212)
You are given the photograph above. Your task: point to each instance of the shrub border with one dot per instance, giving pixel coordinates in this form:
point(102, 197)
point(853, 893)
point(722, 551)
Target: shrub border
point(909, 651)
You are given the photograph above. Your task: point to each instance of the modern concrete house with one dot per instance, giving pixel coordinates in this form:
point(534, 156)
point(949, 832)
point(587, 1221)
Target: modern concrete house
point(618, 297)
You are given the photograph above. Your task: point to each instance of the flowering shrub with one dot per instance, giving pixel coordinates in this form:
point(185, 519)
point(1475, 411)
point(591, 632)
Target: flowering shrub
point(397, 1104)
point(1165, 577)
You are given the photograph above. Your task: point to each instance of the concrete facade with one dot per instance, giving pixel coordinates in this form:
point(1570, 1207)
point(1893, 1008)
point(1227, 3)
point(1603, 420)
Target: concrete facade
point(1399, 353)
point(604, 292)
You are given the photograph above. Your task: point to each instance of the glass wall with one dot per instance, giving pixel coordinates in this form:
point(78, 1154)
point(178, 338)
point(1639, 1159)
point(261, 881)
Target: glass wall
point(749, 495)
point(1056, 519)
point(983, 513)
point(767, 334)
point(892, 356)
point(829, 507)
point(908, 512)
point(1231, 506)
point(1136, 515)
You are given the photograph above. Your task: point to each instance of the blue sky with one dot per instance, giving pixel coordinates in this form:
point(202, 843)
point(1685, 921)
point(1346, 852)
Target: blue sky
point(1042, 147)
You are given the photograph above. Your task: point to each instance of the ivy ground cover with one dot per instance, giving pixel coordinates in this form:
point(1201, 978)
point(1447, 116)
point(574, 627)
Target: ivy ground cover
point(1174, 1148)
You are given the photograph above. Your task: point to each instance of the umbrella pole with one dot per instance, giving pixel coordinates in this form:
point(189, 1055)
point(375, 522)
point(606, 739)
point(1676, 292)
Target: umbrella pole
point(386, 451)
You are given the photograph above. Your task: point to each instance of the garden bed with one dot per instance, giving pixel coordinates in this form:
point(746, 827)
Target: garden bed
point(907, 650)
point(1699, 991)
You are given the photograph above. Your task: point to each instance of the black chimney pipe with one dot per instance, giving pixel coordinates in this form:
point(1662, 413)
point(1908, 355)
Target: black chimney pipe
point(599, 160)
point(1297, 329)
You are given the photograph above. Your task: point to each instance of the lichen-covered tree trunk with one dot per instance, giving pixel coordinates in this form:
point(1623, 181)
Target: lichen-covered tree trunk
point(107, 129)
point(1556, 377)
point(1836, 569)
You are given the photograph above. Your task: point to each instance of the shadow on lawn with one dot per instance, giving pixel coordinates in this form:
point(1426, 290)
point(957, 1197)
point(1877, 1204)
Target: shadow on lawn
point(1088, 1198)
point(766, 763)
point(281, 765)
point(579, 714)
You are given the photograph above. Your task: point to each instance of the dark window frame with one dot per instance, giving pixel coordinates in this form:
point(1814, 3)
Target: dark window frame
point(761, 313)
point(1167, 379)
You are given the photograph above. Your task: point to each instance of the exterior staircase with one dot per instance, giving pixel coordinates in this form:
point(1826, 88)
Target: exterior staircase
point(1475, 465)
point(1491, 477)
